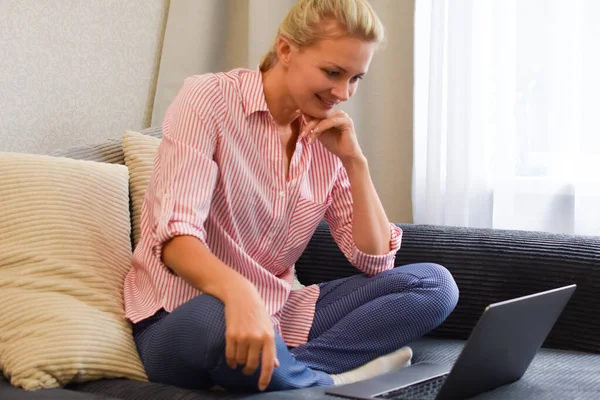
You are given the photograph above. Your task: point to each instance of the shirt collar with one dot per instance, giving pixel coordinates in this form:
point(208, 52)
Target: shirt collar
point(253, 94)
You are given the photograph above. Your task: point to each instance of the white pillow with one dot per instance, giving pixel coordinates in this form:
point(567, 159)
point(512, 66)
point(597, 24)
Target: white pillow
point(64, 252)
point(140, 151)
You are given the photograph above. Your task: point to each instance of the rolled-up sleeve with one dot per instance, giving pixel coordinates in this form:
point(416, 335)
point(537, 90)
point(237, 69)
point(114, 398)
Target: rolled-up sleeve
point(185, 171)
point(339, 216)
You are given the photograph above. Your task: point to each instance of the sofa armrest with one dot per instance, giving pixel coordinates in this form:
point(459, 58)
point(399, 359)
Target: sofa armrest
point(489, 266)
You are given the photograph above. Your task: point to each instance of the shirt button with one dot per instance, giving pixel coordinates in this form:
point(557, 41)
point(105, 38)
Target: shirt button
point(282, 194)
point(271, 234)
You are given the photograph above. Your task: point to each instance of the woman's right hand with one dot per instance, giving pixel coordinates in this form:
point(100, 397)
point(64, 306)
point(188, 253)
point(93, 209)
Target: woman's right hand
point(249, 333)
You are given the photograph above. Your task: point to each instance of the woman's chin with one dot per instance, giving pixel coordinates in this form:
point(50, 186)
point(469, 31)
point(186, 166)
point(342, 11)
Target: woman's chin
point(316, 112)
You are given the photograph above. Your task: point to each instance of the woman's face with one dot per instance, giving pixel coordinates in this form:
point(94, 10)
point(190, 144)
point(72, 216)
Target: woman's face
point(326, 73)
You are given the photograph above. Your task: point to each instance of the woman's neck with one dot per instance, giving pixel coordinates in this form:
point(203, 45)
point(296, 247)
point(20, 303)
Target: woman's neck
point(282, 107)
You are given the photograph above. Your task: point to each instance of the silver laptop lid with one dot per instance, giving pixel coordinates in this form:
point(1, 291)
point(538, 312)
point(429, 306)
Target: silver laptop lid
point(504, 342)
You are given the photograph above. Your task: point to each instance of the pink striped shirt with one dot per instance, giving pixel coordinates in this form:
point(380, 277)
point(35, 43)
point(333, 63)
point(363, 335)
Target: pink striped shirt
point(219, 176)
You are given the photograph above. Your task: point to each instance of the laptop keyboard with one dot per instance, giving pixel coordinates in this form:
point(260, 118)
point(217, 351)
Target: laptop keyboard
point(426, 390)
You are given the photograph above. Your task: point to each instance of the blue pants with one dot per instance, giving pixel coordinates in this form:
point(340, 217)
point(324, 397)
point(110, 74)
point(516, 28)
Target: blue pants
point(357, 319)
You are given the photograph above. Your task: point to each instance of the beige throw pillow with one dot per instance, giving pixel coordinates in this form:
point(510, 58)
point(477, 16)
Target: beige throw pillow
point(64, 253)
point(139, 151)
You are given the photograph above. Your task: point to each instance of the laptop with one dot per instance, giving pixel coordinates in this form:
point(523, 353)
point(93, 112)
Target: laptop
point(498, 351)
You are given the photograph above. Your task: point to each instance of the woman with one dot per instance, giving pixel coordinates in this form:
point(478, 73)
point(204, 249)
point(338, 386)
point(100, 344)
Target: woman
point(250, 162)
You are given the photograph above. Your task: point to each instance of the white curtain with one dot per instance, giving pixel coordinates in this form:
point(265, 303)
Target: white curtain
point(506, 114)
point(217, 35)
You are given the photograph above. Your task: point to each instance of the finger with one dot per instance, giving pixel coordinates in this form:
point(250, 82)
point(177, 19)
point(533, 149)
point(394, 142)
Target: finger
point(230, 352)
point(268, 363)
point(313, 122)
point(316, 133)
point(252, 359)
point(241, 353)
point(309, 127)
point(314, 136)
point(324, 125)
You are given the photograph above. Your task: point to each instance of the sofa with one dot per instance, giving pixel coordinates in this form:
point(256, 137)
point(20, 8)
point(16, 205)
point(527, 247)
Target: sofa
point(488, 266)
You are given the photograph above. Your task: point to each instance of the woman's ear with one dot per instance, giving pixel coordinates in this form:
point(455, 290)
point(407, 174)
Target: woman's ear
point(285, 49)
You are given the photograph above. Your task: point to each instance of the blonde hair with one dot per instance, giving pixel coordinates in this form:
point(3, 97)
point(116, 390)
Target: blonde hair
point(303, 24)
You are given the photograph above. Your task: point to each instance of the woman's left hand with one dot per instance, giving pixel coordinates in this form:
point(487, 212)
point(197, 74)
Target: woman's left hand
point(336, 133)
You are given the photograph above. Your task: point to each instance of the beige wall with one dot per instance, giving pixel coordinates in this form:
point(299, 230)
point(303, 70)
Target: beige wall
point(390, 81)
point(382, 110)
point(76, 71)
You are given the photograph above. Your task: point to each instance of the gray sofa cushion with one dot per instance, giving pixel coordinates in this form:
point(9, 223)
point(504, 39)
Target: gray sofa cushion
point(8, 392)
point(553, 375)
point(133, 390)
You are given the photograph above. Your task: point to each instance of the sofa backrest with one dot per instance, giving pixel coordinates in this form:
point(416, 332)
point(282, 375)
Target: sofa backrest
point(489, 265)
point(110, 151)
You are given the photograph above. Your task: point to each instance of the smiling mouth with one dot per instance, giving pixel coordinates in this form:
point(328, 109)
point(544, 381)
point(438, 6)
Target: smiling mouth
point(327, 104)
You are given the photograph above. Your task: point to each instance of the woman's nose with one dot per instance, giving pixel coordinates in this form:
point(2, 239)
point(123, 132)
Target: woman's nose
point(341, 91)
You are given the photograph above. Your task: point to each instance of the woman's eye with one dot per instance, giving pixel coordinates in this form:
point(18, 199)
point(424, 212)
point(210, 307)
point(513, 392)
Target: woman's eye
point(355, 79)
point(331, 74)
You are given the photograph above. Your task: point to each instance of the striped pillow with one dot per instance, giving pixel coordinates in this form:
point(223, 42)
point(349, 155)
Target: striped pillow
point(64, 253)
point(140, 151)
